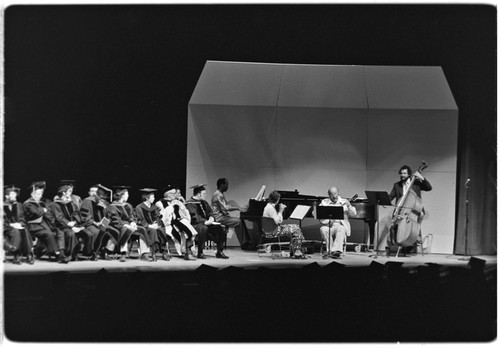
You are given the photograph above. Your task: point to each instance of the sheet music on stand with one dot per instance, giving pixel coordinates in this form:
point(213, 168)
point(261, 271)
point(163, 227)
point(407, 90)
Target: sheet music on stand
point(300, 212)
point(260, 195)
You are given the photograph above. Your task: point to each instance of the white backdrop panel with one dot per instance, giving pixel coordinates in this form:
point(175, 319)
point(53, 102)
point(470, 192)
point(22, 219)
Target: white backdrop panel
point(319, 138)
point(323, 86)
point(397, 137)
point(231, 135)
point(232, 83)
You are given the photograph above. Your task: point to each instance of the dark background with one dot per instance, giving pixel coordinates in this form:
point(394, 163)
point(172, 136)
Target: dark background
point(100, 93)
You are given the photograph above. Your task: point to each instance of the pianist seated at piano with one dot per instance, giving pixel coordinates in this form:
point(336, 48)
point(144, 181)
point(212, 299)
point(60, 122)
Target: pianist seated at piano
point(334, 231)
point(275, 210)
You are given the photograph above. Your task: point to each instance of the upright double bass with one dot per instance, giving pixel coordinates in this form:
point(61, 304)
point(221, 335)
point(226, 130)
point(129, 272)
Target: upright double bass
point(407, 216)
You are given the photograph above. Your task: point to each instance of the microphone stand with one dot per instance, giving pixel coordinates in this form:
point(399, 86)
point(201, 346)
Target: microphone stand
point(465, 257)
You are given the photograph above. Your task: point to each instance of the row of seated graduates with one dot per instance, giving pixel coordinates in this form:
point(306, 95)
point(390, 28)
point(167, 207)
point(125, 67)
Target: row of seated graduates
point(70, 229)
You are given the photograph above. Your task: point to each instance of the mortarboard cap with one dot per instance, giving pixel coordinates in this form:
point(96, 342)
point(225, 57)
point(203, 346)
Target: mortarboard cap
point(37, 185)
point(198, 186)
point(10, 188)
point(63, 187)
point(148, 190)
point(120, 188)
point(104, 189)
point(170, 187)
point(67, 182)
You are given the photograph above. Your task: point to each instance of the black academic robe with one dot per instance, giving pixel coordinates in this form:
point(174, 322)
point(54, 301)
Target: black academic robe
point(147, 216)
point(41, 225)
point(122, 214)
point(93, 210)
point(64, 213)
point(201, 211)
point(19, 239)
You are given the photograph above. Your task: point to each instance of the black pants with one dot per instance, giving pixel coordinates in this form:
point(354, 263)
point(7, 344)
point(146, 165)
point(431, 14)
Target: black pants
point(211, 232)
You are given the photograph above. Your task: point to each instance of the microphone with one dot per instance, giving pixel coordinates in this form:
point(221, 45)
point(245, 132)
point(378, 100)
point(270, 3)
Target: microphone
point(467, 182)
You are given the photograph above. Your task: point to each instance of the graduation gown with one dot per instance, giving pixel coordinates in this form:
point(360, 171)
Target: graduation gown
point(16, 238)
point(41, 225)
point(147, 216)
point(122, 214)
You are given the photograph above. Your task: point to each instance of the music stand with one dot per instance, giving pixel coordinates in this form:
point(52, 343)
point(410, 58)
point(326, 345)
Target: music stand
point(378, 198)
point(329, 213)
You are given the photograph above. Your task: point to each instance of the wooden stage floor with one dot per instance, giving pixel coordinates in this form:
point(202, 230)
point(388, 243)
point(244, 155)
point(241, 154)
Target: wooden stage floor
point(242, 259)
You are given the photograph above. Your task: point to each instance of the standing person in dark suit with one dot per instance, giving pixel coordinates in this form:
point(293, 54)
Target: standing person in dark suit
point(202, 219)
point(15, 230)
point(400, 188)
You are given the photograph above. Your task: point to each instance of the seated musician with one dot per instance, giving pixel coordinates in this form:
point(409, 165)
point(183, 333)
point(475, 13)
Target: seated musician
point(203, 221)
point(177, 222)
point(291, 230)
point(334, 231)
point(221, 211)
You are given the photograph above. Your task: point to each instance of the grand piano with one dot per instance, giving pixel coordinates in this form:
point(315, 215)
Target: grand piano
point(365, 211)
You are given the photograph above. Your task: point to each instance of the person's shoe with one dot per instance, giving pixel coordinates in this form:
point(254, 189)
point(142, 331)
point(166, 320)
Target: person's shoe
point(153, 257)
point(326, 255)
point(30, 259)
point(105, 256)
point(221, 255)
point(122, 257)
point(165, 256)
point(387, 252)
point(63, 259)
point(189, 257)
point(16, 260)
point(335, 255)
point(94, 256)
point(201, 256)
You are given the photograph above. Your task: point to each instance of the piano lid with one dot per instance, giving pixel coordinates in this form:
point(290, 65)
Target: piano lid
point(295, 195)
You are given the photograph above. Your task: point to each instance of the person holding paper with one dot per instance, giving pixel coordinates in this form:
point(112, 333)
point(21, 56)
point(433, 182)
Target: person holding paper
point(202, 219)
point(334, 231)
point(274, 210)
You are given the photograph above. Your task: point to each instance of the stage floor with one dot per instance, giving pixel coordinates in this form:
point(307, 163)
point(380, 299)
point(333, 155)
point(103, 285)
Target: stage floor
point(242, 259)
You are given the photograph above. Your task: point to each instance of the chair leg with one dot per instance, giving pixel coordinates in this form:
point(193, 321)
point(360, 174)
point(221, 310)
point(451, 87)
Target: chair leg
point(397, 252)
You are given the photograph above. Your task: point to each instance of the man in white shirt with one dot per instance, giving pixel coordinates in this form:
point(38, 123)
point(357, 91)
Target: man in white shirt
point(334, 231)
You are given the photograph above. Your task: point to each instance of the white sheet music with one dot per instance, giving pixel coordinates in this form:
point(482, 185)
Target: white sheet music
point(300, 212)
point(261, 193)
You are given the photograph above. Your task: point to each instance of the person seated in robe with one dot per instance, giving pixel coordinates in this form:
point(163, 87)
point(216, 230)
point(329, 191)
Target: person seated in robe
point(202, 219)
point(148, 215)
point(17, 239)
point(177, 222)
